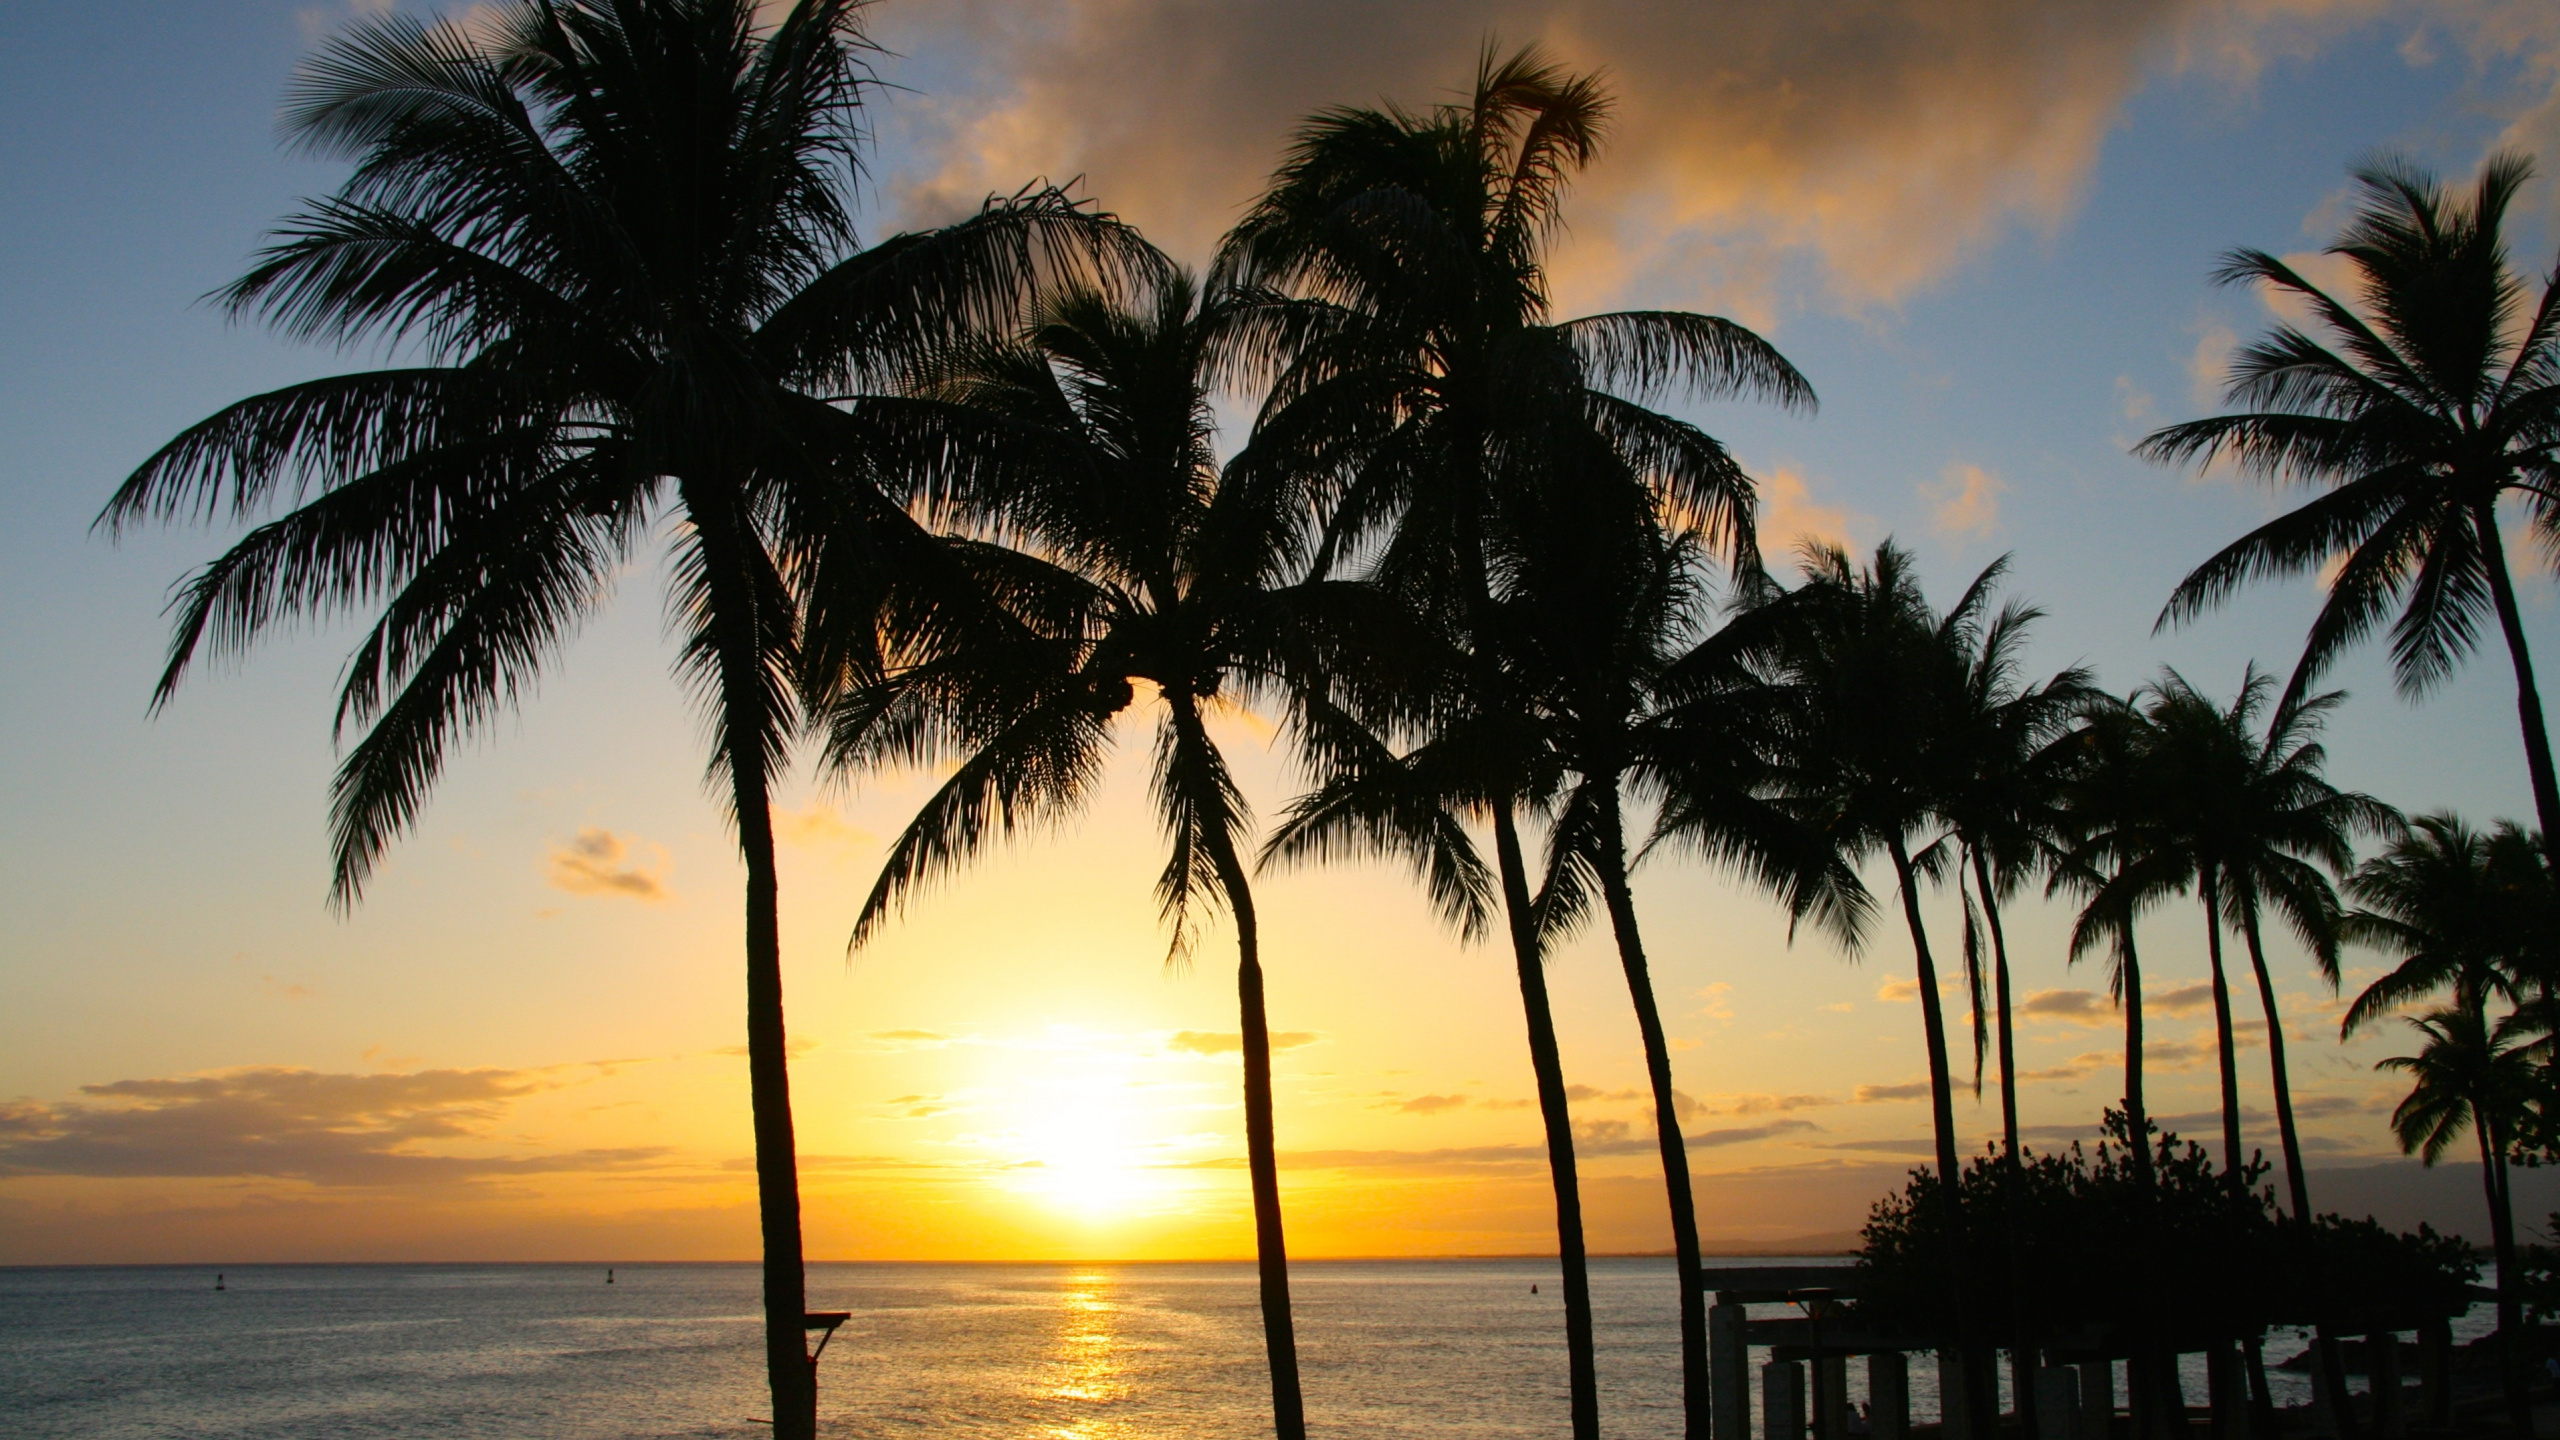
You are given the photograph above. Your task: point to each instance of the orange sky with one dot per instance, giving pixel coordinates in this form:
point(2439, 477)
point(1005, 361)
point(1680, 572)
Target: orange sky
point(1983, 229)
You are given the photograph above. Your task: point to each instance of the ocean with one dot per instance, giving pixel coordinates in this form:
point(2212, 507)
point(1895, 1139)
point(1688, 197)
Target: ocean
point(1412, 1349)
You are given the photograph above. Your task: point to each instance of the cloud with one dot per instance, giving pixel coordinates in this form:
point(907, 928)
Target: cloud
point(1791, 520)
point(1230, 1042)
point(1964, 500)
point(593, 864)
point(2209, 364)
point(914, 1039)
point(818, 827)
point(1432, 1104)
point(1898, 990)
point(1882, 143)
point(1710, 1139)
point(2185, 1000)
point(2078, 1067)
point(1593, 1092)
point(1909, 1090)
point(1921, 1146)
point(2071, 1007)
point(281, 1123)
point(1766, 1104)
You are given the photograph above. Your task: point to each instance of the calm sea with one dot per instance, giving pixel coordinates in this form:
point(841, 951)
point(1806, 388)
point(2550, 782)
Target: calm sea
point(445, 1352)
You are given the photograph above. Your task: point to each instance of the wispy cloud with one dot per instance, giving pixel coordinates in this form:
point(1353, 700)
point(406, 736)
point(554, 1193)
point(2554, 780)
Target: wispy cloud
point(308, 1125)
point(1878, 1094)
point(598, 862)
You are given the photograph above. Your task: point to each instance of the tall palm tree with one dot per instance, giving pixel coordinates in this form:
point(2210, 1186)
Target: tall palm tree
point(1089, 443)
point(2105, 824)
point(1599, 615)
point(2264, 830)
point(2247, 822)
point(616, 237)
point(2470, 1075)
point(1874, 676)
point(1440, 385)
point(2007, 742)
point(2430, 395)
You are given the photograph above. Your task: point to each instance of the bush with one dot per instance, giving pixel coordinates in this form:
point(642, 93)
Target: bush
point(2067, 1243)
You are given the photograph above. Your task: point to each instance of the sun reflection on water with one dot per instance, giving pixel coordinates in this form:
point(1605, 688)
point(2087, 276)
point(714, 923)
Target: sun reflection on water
point(1084, 1364)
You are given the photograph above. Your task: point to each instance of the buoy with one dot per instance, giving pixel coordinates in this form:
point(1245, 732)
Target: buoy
point(608, 1274)
point(217, 1282)
point(1533, 1289)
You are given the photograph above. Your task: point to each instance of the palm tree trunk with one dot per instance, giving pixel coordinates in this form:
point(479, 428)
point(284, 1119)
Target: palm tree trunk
point(1262, 1155)
point(742, 630)
point(2000, 1009)
point(2537, 738)
point(1694, 1381)
point(2297, 1186)
point(2228, 1050)
point(1548, 1062)
point(1942, 1101)
point(1977, 1376)
point(2137, 1120)
point(2502, 1239)
point(786, 1301)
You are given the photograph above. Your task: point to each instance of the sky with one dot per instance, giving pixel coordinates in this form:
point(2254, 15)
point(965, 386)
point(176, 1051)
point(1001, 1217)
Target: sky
point(1984, 229)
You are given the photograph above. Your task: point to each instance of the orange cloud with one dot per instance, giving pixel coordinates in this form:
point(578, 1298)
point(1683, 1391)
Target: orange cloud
point(1964, 500)
point(1886, 142)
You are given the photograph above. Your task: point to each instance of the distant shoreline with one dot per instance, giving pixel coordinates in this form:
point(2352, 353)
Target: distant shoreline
point(627, 1262)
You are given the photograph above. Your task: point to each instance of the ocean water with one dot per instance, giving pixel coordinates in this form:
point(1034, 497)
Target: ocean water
point(1042, 1352)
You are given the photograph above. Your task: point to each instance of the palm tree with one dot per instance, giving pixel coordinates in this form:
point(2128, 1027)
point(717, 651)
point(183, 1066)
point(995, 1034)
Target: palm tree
point(2435, 397)
point(2463, 909)
point(1874, 675)
point(2469, 1075)
point(2007, 742)
point(2247, 821)
point(1439, 384)
point(615, 236)
point(2105, 824)
point(2264, 829)
point(1599, 618)
point(1090, 443)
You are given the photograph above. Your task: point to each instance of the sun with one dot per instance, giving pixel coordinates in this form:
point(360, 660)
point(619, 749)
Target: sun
point(1082, 1142)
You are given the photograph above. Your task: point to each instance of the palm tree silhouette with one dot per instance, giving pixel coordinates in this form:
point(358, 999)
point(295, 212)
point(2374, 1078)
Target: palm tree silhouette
point(2465, 910)
point(2106, 824)
point(1599, 618)
point(1874, 676)
point(1435, 386)
point(2436, 396)
point(2006, 743)
point(2249, 820)
point(616, 238)
point(2469, 1074)
point(1090, 444)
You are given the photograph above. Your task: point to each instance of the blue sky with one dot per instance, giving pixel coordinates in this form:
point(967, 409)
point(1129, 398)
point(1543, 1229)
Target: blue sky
point(1996, 275)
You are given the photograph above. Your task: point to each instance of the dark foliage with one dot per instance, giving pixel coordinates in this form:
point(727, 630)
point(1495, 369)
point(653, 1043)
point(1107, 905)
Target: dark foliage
point(2070, 1249)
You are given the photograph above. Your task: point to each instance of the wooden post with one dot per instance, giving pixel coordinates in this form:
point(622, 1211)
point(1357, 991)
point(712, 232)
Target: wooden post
point(1831, 1384)
point(2435, 1371)
point(2057, 1411)
point(1889, 1395)
point(1729, 1372)
point(1953, 1416)
point(2382, 1369)
point(1782, 1400)
point(2226, 1392)
point(2097, 1399)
